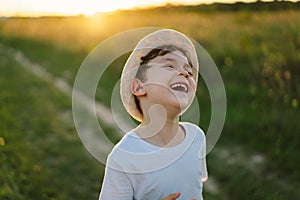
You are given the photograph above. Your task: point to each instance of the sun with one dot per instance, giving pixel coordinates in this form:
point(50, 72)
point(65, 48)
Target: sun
point(74, 7)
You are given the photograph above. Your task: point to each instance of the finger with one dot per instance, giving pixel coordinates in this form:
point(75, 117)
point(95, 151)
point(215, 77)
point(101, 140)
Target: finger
point(176, 195)
point(172, 196)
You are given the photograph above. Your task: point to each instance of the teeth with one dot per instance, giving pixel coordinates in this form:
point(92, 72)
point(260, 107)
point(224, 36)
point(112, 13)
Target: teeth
point(179, 85)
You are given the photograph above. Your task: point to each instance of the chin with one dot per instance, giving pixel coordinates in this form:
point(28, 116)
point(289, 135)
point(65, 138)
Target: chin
point(179, 104)
point(181, 107)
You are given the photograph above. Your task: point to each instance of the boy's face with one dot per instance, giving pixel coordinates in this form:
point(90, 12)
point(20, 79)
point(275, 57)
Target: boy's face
point(170, 81)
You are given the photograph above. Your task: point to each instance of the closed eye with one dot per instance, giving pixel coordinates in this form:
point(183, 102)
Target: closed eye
point(189, 71)
point(169, 66)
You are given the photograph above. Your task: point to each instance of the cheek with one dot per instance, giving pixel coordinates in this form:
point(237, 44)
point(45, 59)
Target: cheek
point(156, 89)
point(193, 84)
point(156, 77)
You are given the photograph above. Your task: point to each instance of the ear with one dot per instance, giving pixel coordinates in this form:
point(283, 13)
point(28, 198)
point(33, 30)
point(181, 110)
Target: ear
point(136, 87)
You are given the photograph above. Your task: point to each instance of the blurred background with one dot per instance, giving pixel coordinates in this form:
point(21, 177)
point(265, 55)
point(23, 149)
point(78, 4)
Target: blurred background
point(256, 46)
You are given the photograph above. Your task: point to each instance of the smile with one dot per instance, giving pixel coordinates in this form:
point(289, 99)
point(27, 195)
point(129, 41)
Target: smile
point(179, 87)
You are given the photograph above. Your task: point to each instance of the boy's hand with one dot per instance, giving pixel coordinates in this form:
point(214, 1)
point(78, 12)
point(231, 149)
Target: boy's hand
point(173, 196)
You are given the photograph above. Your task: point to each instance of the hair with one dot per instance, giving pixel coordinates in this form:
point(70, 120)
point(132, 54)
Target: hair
point(159, 51)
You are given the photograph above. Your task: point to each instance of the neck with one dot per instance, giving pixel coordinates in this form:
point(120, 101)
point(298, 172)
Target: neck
point(160, 129)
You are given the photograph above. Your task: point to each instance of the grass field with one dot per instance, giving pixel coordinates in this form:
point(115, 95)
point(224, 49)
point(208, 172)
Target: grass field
point(257, 53)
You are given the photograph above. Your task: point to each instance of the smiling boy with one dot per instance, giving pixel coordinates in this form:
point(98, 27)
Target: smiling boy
point(162, 158)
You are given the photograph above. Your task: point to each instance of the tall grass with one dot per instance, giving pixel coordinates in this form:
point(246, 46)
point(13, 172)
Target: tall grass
point(257, 53)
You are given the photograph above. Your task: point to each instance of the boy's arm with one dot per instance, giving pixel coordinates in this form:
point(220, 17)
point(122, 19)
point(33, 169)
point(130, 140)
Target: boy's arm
point(204, 170)
point(116, 186)
point(202, 156)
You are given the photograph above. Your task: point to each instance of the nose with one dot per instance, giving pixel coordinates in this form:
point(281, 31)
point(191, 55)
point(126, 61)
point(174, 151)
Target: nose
point(183, 73)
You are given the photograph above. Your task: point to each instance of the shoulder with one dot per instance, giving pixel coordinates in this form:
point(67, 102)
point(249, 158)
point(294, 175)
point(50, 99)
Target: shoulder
point(129, 142)
point(199, 141)
point(191, 128)
point(129, 146)
point(116, 156)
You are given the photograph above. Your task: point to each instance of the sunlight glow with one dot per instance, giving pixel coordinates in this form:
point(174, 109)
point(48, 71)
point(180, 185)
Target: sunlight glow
point(75, 7)
point(85, 7)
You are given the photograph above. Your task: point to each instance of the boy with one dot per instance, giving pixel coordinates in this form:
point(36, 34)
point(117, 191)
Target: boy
point(162, 158)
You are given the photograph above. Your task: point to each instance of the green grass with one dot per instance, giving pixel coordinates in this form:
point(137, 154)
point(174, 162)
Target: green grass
point(41, 155)
point(58, 61)
point(254, 181)
point(258, 55)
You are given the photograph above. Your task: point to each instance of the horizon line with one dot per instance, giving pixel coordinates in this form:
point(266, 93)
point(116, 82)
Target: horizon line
point(61, 14)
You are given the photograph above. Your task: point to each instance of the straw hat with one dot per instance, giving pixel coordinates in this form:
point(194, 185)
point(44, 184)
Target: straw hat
point(146, 44)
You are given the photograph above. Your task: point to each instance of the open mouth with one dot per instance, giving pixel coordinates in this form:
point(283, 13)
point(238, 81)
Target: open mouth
point(182, 87)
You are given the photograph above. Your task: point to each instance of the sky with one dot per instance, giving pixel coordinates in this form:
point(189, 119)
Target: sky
point(86, 7)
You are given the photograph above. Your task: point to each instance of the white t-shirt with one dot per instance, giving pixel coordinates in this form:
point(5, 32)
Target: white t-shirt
point(138, 170)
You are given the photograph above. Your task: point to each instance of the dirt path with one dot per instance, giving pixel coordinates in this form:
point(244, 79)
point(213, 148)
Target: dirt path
point(39, 71)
